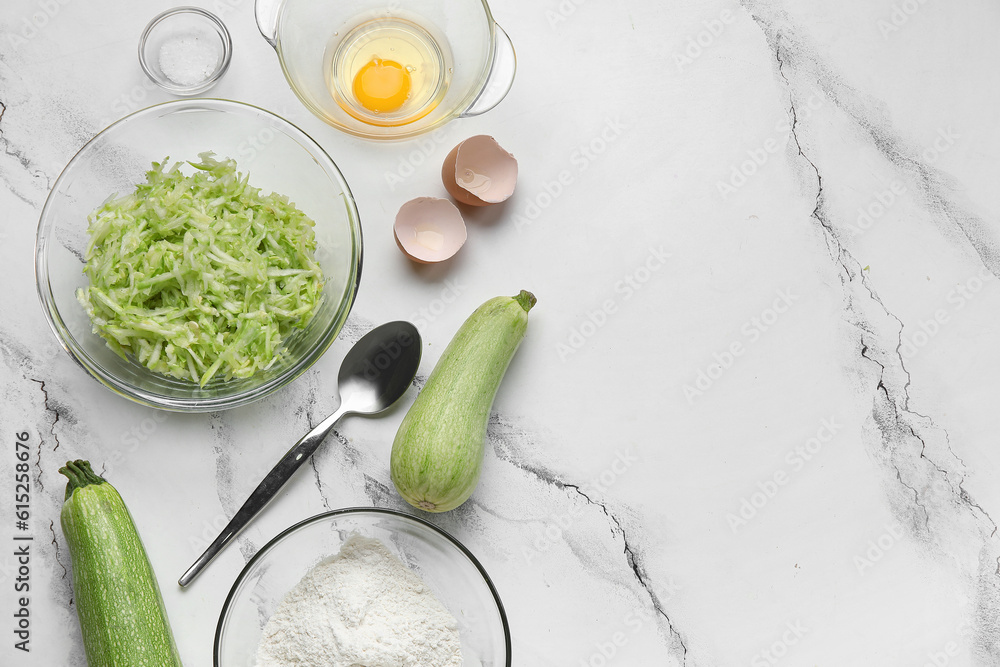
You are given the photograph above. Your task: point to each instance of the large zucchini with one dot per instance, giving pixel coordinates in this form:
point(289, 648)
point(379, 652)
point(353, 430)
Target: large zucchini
point(438, 451)
point(118, 602)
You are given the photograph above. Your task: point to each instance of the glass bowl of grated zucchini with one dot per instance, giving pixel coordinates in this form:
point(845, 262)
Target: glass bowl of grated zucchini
point(198, 255)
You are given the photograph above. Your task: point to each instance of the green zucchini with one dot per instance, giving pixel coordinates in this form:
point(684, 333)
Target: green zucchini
point(438, 451)
point(121, 612)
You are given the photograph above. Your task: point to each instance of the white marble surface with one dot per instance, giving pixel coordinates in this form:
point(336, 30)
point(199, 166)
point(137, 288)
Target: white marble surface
point(823, 499)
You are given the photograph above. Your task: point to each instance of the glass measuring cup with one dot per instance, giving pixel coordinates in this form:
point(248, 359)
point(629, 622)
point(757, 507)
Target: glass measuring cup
point(473, 57)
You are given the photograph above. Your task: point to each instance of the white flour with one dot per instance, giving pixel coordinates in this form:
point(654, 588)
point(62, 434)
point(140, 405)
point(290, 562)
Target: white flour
point(360, 608)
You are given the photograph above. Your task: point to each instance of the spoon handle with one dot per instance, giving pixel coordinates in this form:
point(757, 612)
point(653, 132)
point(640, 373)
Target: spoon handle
point(265, 491)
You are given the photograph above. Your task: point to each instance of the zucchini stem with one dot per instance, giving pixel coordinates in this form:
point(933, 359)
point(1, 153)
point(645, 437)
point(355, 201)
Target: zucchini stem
point(80, 474)
point(526, 299)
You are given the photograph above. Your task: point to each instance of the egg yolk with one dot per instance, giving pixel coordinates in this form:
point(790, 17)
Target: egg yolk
point(382, 85)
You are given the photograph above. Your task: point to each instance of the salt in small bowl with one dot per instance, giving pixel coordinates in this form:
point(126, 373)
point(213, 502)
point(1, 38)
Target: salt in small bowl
point(185, 50)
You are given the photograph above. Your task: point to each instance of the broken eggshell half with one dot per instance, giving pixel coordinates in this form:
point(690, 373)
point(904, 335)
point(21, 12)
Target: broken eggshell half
point(478, 172)
point(429, 229)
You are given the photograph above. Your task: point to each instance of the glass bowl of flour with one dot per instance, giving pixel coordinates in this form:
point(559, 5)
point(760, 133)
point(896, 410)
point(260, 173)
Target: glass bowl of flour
point(369, 587)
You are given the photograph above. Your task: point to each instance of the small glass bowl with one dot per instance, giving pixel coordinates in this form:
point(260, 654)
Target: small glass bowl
point(448, 568)
point(185, 30)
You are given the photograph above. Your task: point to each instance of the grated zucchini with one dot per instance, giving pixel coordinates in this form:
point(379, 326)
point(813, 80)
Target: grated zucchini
point(197, 276)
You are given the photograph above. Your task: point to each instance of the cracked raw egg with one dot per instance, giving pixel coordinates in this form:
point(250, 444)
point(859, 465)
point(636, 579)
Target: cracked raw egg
point(382, 86)
point(479, 172)
point(429, 230)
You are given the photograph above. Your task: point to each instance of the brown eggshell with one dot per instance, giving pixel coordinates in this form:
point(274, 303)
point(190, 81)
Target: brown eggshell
point(429, 230)
point(478, 172)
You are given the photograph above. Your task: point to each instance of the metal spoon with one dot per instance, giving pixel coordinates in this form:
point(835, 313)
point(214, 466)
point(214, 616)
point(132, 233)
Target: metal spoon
point(374, 375)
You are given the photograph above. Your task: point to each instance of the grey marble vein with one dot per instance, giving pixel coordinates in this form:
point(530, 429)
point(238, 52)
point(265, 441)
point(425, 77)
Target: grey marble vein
point(941, 514)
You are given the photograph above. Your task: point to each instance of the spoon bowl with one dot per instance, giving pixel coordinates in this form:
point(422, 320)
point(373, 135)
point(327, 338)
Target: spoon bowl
point(376, 373)
point(378, 369)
